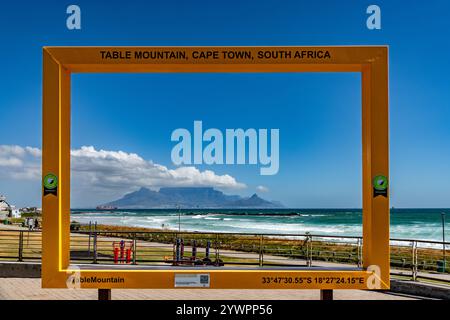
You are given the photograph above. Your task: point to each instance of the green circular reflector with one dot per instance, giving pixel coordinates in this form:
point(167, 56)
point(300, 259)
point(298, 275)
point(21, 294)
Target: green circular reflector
point(50, 181)
point(380, 182)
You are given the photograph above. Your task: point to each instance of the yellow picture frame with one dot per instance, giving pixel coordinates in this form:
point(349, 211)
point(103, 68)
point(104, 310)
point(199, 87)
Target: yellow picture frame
point(60, 62)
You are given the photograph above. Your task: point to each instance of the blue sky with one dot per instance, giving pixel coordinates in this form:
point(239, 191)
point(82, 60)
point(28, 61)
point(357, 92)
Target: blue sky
point(318, 114)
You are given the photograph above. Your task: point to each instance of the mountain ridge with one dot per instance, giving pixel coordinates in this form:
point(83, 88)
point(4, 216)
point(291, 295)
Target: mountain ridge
point(188, 197)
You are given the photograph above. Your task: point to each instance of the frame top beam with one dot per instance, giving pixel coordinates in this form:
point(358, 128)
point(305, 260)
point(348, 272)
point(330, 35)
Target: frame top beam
point(216, 59)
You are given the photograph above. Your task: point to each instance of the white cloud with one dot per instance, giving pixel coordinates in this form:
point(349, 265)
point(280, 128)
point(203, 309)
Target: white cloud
point(262, 189)
point(10, 162)
point(35, 152)
point(12, 151)
point(20, 163)
point(118, 169)
point(104, 175)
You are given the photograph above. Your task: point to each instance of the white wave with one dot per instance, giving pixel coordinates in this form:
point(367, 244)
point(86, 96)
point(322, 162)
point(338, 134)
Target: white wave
point(411, 229)
point(298, 228)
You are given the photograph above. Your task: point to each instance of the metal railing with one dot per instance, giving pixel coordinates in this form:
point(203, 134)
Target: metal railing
point(20, 245)
point(242, 249)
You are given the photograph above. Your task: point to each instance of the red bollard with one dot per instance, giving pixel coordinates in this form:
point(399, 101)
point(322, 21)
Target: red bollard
point(128, 255)
point(116, 255)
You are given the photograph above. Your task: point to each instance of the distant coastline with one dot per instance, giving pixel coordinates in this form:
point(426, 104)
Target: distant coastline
point(188, 197)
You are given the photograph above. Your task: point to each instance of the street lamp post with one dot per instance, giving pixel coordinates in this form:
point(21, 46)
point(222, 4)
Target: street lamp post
point(179, 218)
point(443, 239)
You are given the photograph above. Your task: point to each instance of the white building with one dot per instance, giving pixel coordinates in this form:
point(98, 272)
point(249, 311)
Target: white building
point(15, 213)
point(4, 206)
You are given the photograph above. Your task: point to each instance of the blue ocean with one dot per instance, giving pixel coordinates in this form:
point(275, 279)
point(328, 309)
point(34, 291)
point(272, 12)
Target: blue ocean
point(424, 224)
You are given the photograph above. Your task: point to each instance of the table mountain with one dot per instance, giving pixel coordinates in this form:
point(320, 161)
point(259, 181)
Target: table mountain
point(188, 197)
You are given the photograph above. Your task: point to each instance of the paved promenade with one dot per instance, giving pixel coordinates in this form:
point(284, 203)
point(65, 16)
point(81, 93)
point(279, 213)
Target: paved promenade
point(30, 289)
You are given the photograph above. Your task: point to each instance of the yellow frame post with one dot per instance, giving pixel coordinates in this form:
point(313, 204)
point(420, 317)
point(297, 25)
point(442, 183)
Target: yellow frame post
point(370, 61)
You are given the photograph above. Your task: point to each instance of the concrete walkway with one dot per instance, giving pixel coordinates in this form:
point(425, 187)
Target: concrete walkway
point(30, 289)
